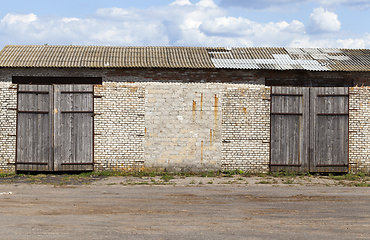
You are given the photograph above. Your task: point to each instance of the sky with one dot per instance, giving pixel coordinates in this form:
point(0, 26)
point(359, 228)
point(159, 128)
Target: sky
point(205, 23)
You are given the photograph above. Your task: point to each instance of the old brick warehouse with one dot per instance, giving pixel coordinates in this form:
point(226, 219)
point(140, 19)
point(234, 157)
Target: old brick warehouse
point(75, 108)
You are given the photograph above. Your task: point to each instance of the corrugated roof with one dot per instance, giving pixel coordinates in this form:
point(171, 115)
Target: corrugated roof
point(104, 57)
point(312, 59)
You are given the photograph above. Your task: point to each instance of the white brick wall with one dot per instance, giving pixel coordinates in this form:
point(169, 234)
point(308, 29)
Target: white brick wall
point(119, 126)
point(246, 128)
point(359, 129)
point(183, 123)
point(7, 126)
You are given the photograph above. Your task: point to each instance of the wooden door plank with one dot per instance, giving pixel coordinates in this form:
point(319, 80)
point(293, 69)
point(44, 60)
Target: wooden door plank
point(305, 125)
point(313, 103)
point(57, 124)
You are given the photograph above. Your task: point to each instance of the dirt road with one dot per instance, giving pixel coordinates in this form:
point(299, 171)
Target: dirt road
point(112, 209)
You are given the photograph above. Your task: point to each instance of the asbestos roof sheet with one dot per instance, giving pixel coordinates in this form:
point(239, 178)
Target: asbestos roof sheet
point(104, 57)
point(311, 59)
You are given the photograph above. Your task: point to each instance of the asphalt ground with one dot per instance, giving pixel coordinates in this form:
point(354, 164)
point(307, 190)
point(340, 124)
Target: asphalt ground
point(183, 208)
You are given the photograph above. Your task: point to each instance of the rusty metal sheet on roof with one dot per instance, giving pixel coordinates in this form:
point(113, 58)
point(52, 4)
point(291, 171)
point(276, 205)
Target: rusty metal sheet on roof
point(104, 57)
point(269, 58)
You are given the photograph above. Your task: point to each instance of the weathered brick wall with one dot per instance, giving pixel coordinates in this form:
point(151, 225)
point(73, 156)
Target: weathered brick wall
point(246, 127)
point(359, 129)
point(179, 119)
point(119, 126)
point(7, 126)
point(183, 126)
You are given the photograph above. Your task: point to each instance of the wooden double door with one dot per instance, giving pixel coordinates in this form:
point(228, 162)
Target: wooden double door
point(309, 129)
point(55, 127)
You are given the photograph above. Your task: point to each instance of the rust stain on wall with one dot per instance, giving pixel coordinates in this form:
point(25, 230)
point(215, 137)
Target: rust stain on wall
point(201, 106)
point(133, 89)
point(194, 109)
point(245, 110)
point(210, 136)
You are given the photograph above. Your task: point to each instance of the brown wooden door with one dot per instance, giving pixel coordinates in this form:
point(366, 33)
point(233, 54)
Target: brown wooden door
point(309, 129)
point(55, 128)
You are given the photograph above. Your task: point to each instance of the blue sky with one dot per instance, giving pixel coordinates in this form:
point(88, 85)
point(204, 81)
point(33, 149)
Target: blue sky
point(287, 23)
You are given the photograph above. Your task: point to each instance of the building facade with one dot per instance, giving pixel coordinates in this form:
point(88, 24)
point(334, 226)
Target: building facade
point(71, 108)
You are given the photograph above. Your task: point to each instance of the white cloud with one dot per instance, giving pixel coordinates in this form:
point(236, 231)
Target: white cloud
point(117, 13)
point(180, 24)
point(295, 27)
point(206, 3)
point(358, 43)
point(243, 32)
point(84, 32)
point(11, 19)
point(67, 20)
point(227, 26)
point(181, 2)
point(323, 21)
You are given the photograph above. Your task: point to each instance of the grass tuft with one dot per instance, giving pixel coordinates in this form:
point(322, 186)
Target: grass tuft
point(166, 177)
